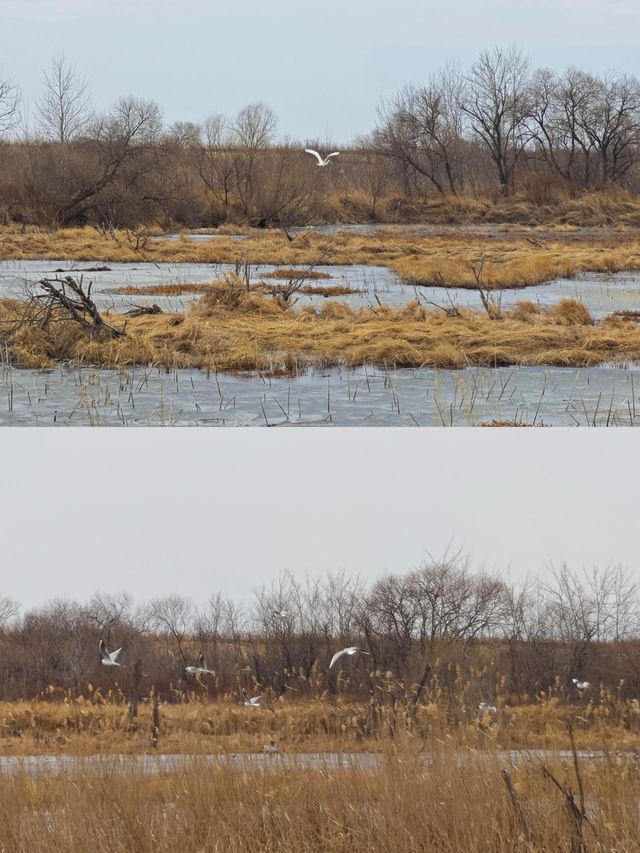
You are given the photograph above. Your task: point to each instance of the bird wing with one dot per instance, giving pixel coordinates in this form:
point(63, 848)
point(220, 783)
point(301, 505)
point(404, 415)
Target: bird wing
point(114, 655)
point(200, 661)
point(315, 154)
point(337, 657)
point(334, 154)
point(104, 653)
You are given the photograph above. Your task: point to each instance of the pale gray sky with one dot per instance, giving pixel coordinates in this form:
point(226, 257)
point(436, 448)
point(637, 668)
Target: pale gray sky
point(153, 512)
point(322, 66)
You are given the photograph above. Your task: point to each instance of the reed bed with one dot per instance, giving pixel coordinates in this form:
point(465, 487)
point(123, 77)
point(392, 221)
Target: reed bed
point(404, 804)
point(200, 720)
point(509, 258)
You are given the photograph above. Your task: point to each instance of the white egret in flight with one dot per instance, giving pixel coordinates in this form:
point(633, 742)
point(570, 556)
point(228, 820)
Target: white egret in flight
point(350, 650)
point(321, 162)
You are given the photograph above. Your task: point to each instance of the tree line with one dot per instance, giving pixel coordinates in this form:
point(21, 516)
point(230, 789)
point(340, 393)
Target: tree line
point(496, 129)
point(459, 622)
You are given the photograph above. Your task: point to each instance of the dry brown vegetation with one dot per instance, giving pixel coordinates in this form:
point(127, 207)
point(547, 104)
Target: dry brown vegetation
point(193, 723)
point(551, 146)
point(439, 640)
point(403, 805)
point(408, 762)
point(230, 329)
point(182, 289)
point(509, 259)
point(285, 273)
point(235, 327)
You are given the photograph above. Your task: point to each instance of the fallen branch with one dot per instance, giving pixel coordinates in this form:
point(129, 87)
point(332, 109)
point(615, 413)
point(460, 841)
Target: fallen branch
point(493, 308)
point(68, 294)
point(142, 310)
point(523, 823)
point(577, 812)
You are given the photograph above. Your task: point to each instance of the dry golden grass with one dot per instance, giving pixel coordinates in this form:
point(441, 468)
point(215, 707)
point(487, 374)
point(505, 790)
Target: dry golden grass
point(434, 782)
point(161, 289)
point(288, 273)
point(511, 259)
point(183, 289)
point(195, 722)
point(536, 206)
point(231, 329)
point(403, 805)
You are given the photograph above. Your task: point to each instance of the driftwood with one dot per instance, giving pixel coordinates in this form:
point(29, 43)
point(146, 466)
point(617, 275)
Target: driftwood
point(142, 310)
point(69, 295)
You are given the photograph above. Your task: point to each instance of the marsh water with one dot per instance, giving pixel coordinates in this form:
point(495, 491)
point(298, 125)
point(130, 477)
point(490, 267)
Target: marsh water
point(38, 765)
point(369, 285)
point(367, 396)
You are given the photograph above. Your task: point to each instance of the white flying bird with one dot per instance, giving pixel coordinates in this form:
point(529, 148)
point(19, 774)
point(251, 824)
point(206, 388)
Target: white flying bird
point(199, 666)
point(108, 658)
point(350, 650)
point(485, 708)
point(321, 162)
point(254, 701)
point(581, 685)
point(280, 614)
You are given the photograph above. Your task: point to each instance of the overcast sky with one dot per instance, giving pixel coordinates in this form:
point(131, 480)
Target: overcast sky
point(155, 511)
point(322, 66)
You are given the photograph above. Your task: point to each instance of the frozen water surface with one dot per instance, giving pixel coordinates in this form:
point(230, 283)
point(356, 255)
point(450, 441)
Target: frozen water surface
point(38, 765)
point(367, 396)
point(601, 294)
point(599, 396)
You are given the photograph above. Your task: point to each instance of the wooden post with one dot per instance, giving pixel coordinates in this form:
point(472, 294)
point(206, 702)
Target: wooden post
point(155, 718)
point(134, 696)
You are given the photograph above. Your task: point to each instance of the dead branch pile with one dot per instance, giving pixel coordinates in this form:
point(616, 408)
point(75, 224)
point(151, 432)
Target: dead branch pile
point(66, 298)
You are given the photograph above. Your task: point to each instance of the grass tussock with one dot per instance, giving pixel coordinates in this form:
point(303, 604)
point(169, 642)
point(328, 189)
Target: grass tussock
point(230, 328)
point(403, 805)
point(195, 288)
point(162, 289)
point(508, 258)
point(288, 274)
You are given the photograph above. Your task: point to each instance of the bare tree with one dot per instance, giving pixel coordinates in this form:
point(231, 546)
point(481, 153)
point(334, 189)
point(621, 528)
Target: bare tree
point(455, 603)
point(64, 108)
point(185, 134)
point(555, 121)
point(574, 614)
point(578, 120)
point(123, 141)
point(613, 125)
point(8, 609)
point(254, 126)
point(253, 130)
point(496, 103)
point(215, 162)
point(422, 128)
point(172, 618)
point(9, 106)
